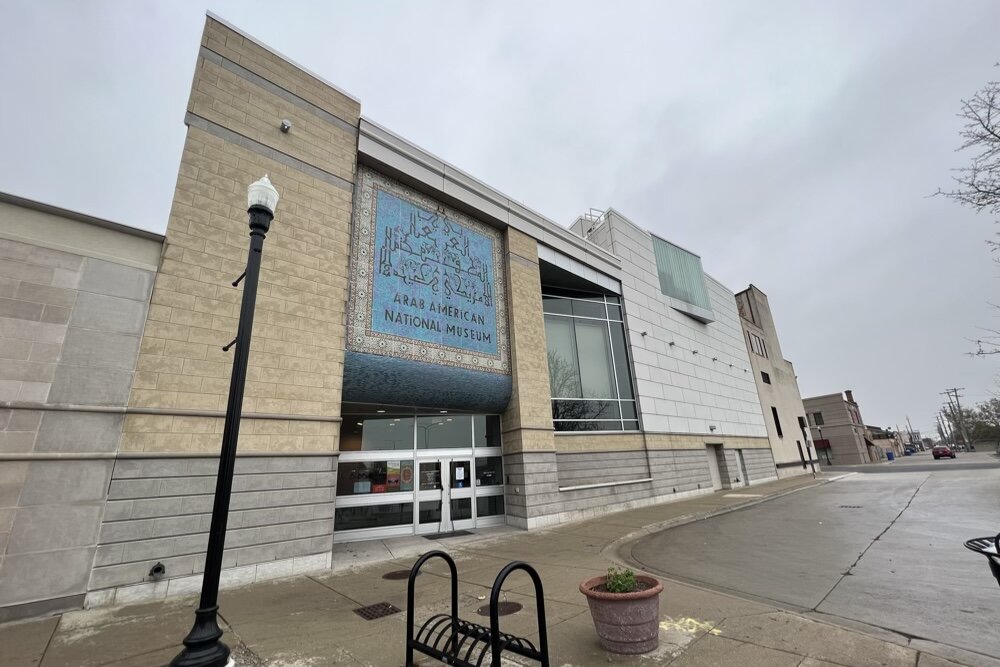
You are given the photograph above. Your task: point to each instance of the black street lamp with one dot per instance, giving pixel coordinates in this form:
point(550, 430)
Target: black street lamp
point(202, 647)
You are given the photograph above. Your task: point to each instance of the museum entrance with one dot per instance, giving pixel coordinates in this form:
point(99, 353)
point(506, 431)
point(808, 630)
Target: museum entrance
point(444, 495)
point(406, 472)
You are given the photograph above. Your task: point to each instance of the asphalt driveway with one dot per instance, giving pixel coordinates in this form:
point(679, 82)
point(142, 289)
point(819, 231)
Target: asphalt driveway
point(881, 549)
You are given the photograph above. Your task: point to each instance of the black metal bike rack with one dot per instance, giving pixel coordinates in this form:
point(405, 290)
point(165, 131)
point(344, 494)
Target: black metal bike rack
point(455, 641)
point(989, 547)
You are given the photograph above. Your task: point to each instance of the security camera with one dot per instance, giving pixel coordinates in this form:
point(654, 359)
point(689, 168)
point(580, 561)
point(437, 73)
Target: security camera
point(158, 570)
point(286, 125)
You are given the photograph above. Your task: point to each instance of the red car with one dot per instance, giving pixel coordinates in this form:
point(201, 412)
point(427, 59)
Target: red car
point(942, 452)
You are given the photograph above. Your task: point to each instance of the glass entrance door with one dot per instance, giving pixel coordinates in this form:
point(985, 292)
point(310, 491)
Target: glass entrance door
point(444, 495)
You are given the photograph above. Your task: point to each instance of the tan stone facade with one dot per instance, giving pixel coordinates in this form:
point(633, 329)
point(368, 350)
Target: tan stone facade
point(527, 423)
point(298, 336)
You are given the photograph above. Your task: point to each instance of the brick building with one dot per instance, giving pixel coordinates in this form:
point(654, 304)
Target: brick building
point(428, 356)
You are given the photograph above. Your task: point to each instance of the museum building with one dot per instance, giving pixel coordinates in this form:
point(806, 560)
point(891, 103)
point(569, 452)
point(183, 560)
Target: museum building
point(428, 356)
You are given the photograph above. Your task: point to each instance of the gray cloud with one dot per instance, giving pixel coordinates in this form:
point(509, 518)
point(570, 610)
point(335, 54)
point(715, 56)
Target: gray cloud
point(792, 144)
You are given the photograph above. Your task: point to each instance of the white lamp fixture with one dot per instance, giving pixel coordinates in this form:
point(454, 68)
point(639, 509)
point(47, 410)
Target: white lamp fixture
point(262, 194)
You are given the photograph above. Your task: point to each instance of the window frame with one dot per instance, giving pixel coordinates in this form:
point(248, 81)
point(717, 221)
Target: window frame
point(757, 345)
point(614, 314)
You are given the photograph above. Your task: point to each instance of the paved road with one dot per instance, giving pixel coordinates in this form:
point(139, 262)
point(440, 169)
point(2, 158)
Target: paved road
point(881, 549)
point(924, 462)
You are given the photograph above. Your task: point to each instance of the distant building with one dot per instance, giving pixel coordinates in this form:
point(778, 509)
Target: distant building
point(885, 439)
point(838, 429)
point(780, 400)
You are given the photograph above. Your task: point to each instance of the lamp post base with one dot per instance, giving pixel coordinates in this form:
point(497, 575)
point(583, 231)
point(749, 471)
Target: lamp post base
point(202, 646)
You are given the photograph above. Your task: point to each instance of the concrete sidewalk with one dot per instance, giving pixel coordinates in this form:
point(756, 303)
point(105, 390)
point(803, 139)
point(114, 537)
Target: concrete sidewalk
point(309, 621)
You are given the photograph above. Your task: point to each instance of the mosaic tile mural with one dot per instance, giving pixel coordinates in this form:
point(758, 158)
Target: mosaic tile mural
point(427, 280)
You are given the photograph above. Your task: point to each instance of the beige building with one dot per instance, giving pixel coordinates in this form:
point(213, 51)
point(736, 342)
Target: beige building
point(777, 386)
point(885, 439)
point(838, 430)
point(428, 356)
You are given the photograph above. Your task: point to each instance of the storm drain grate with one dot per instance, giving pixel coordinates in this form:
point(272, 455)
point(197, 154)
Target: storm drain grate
point(377, 610)
point(503, 609)
point(850, 507)
point(398, 574)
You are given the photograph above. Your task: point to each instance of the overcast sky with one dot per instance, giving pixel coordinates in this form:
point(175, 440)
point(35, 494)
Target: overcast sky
point(792, 144)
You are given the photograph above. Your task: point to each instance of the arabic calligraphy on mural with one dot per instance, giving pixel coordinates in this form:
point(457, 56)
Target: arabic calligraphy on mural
point(435, 252)
point(433, 278)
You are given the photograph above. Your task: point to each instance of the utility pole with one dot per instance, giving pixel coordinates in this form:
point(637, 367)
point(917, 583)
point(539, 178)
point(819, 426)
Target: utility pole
point(957, 412)
point(943, 427)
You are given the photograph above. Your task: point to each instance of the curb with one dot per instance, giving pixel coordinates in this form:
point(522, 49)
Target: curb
point(612, 550)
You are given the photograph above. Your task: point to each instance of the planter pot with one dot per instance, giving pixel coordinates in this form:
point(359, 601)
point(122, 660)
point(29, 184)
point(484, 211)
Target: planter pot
point(625, 622)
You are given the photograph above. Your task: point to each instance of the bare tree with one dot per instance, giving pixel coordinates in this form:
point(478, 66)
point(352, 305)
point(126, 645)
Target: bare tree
point(988, 413)
point(977, 185)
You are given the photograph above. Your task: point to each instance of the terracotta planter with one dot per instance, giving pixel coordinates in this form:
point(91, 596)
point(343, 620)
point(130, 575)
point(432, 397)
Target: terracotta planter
point(625, 622)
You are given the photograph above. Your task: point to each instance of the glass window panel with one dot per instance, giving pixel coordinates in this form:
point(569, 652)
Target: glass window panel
point(595, 359)
point(373, 516)
point(551, 304)
point(613, 299)
point(564, 370)
point(461, 474)
point(489, 506)
point(487, 428)
point(614, 312)
point(430, 511)
point(589, 309)
point(461, 508)
point(430, 475)
point(628, 410)
point(364, 477)
point(622, 367)
point(489, 471)
point(631, 425)
point(359, 433)
point(585, 410)
point(444, 431)
point(681, 275)
point(587, 426)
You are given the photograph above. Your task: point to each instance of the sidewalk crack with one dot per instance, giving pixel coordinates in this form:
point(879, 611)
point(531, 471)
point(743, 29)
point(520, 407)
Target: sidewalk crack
point(849, 572)
point(328, 587)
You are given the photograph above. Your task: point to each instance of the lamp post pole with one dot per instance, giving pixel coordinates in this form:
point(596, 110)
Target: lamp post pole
point(820, 429)
point(202, 646)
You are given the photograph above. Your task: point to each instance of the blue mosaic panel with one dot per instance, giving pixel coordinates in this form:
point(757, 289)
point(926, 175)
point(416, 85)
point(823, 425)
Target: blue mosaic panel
point(427, 281)
point(433, 278)
point(373, 378)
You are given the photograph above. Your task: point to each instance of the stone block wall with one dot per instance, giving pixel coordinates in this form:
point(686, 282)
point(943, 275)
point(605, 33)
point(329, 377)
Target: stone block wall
point(162, 485)
point(760, 465)
point(596, 474)
point(597, 467)
point(70, 325)
point(159, 510)
point(528, 444)
point(532, 489)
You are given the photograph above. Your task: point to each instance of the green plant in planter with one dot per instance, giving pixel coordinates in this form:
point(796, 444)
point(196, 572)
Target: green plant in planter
point(620, 581)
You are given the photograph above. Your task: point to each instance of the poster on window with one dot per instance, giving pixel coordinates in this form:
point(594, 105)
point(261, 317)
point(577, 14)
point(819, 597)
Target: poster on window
point(406, 476)
point(392, 477)
point(362, 483)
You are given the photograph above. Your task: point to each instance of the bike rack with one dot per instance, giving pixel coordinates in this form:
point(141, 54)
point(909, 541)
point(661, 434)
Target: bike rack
point(455, 641)
point(989, 547)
